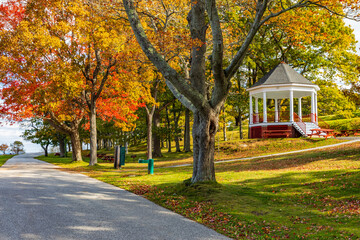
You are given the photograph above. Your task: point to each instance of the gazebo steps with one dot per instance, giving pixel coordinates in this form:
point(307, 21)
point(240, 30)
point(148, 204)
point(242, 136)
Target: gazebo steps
point(298, 128)
point(309, 126)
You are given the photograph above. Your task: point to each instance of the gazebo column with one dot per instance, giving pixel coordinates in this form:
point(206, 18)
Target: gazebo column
point(312, 107)
point(276, 110)
point(264, 108)
point(291, 105)
point(299, 110)
point(256, 110)
point(250, 110)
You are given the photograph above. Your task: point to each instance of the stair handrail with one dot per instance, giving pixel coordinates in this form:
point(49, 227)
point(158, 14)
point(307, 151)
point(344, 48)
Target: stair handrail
point(322, 122)
point(300, 123)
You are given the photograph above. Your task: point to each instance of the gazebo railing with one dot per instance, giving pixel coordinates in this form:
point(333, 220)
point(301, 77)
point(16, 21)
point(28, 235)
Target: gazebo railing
point(284, 116)
point(257, 118)
point(315, 119)
point(272, 117)
point(310, 118)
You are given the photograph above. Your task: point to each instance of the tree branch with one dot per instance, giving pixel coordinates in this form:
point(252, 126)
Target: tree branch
point(104, 78)
point(189, 96)
point(222, 85)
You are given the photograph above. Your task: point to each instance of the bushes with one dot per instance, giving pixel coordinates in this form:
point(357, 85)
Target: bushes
point(344, 124)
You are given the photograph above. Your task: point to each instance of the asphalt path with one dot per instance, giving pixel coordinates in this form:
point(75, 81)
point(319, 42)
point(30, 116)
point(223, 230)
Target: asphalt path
point(38, 201)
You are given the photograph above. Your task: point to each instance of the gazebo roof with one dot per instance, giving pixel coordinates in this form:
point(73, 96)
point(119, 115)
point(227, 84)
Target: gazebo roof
point(282, 74)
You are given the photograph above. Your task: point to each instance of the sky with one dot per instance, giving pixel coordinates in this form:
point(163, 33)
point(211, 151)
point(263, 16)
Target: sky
point(9, 134)
point(356, 27)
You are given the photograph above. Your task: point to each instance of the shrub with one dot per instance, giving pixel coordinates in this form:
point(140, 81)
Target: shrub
point(344, 124)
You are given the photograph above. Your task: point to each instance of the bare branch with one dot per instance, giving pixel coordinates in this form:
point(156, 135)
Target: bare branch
point(104, 78)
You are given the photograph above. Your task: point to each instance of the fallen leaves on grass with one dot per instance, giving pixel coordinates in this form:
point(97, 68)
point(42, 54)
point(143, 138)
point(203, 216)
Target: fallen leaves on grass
point(204, 212)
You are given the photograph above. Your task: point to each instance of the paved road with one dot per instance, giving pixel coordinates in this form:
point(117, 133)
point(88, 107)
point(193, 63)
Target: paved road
point(37, 201)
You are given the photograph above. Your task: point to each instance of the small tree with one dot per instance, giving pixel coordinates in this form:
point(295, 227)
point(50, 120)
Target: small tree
point(4, 147)
point(17, 147)
point(42, 133)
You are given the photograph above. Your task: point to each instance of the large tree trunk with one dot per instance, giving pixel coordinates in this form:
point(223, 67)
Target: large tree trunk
point(187, 131)
point(149, 135)
point(126, 142)
point(156, 136)
point(45, 148)
point(204, 131)
point(237, 121)
point(72, 131)
point(76, 146)
point(168, 130)
point(93, 135)
point(62, 145)
point(176, 129)
point(241, 127)
point(205, 120)
point(224, 132)
point(108, 144)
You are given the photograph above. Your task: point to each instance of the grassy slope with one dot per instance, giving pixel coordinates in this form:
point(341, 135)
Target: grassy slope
point(234, 149)
point(312, 195)
point(4, 158)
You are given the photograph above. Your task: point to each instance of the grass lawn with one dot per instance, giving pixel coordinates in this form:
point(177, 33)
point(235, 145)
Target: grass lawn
point(4, 158)
point(313, 195)
point(232, 149)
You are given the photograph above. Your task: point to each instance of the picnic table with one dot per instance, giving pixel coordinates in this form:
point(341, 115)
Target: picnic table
point(349, 132)
point(322, 132)
point(108, 158)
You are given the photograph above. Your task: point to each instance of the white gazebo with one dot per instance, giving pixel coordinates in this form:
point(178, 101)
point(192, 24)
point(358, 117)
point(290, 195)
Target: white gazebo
point(282, 82)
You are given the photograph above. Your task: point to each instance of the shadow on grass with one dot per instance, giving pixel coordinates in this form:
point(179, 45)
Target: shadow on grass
point(290, 161)
point(306, 204)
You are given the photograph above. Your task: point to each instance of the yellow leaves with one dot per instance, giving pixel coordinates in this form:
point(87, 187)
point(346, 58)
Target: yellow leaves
point(109, 39)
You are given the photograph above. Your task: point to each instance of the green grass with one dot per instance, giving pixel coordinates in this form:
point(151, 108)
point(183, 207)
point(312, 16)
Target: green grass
point(230, 149)
point(313, 195)
point(4, 158)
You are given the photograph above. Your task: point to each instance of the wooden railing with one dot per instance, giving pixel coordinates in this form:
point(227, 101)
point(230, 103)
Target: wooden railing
point(322, 123)
point(272, 116)
point(310, 118)
point(300, 123)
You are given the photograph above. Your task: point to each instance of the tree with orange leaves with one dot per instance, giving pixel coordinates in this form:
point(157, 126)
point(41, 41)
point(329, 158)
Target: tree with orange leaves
point(70, 60)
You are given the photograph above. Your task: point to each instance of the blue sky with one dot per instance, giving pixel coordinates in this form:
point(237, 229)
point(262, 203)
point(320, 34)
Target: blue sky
point(9, 134)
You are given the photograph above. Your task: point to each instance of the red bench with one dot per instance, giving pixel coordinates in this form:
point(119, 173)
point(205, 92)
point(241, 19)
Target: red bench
point(277, 133)
point(108, 158)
